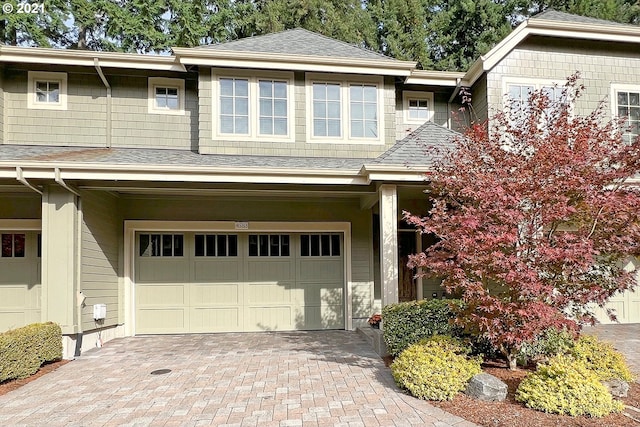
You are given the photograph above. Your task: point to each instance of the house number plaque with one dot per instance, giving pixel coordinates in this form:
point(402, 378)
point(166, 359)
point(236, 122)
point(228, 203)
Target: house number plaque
point(242, 225)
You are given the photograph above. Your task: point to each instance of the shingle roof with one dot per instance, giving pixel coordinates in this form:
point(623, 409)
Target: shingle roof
point(298, 41)
point(161, 157)
point(554, 15)
point(415, 148)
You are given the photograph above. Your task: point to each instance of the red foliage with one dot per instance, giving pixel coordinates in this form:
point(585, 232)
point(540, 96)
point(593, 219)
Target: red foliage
point(535, 216)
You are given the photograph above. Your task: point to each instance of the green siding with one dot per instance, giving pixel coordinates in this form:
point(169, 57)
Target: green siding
point(101, 237)
point(20, 206)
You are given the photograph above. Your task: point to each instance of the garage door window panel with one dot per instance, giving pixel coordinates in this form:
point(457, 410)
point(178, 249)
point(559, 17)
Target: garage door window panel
point(319, 245)
point(265, 245)
point(161, 245)
point(216, 245)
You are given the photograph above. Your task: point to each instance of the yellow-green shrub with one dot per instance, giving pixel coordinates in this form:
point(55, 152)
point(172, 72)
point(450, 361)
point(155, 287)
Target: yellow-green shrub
point(434, 369)
point(601, 358)
point(24, 350)
point(566, 386)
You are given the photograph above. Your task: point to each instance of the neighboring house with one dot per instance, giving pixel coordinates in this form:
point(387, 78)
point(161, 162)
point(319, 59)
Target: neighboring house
point(247, 186)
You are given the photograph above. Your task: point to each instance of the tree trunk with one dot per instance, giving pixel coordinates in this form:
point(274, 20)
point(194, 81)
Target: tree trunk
point(512, 362)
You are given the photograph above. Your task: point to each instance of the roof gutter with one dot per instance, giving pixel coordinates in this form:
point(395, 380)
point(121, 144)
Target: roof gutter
point(96, 64)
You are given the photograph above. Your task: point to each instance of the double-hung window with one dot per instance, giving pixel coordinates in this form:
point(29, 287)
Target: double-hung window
point(47, 90)
point(519, 90)
point(344, 110)
point(254, 107)
point(166, 96)
point(626, 104)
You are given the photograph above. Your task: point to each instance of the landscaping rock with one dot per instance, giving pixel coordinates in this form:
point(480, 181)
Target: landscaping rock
point(617, 388)
point(486, 387)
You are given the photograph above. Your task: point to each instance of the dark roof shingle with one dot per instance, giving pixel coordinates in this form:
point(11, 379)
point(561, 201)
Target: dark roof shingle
point(414, 149)
point(554, 15)
point(297, 41)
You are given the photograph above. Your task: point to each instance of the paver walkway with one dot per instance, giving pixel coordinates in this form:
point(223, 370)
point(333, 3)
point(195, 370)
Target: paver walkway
point(625, 338)
point(330, 378)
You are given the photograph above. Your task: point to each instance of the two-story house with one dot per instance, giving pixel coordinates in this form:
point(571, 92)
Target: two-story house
point(246, 186)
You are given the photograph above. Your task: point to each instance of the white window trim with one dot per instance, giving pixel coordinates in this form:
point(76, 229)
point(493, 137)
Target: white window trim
point(421, 96)
point(620, 87)
point(254, 110)
point(169, 83)
point(61, 78)
point(344, 80)
point(526, 81)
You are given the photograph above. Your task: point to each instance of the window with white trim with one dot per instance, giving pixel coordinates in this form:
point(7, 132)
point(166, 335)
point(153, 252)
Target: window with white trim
point(249, 106)
point(269, 245)
point(418, 106)
point(627, 105)
point(343, 110)
point(166, 96)
point(47, 90)
point(13, 245)
point(520, 89)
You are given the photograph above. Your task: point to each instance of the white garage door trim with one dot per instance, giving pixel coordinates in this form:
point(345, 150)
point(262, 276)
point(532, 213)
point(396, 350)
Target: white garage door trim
point(133, 226)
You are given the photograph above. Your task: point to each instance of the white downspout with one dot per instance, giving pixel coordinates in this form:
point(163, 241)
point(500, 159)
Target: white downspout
point(60, 182)
point(20, 177)
point(96, 64)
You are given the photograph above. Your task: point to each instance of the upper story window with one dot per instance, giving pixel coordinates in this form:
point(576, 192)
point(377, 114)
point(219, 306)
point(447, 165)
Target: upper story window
point(417, 106)
point(47, 90)
point(344, 110)
point(166, 96)
point(627, 104)
point(519, 90)
point(249, 106)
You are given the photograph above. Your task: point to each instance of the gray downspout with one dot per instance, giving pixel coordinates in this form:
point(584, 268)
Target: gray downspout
point(96, 64)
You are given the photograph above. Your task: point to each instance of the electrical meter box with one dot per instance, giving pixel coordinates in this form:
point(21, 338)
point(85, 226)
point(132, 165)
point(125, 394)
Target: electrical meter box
point(99, 311)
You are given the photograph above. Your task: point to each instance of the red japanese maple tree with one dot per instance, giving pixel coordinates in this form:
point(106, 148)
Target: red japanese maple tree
point(536, 215)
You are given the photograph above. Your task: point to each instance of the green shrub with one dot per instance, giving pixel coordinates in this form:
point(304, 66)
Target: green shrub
point(434, 369)
point(407, 323)
point(601, 358)
point(24, 350)
point(550, 343)
point(566, 386)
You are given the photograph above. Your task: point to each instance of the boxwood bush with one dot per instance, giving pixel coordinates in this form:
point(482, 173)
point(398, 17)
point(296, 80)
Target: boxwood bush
point(24, 350)
point(407, 323)
point(435, 369)
point(566, 386)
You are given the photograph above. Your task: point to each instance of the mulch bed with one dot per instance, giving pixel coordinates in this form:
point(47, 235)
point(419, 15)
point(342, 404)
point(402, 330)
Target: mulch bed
point(11, 385)
point(511, 413)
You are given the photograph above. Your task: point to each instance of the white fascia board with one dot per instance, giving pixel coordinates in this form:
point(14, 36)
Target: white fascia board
point(395, 173)
point(538, 27)
point(434, 78)
point(175, 173)
point(86, 58)
point(293, 62)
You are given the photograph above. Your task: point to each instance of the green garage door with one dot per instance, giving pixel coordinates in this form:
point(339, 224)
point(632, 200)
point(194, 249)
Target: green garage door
point(215, 282)
point(19, 279)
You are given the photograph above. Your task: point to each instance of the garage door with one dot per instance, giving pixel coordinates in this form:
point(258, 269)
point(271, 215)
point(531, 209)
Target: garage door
point(19, 279)
point(214, 282)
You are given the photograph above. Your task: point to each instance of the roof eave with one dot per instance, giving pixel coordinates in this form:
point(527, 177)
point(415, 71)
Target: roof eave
point(549, 28)
point(35, 55)
point(434, 78)
point(219, 58)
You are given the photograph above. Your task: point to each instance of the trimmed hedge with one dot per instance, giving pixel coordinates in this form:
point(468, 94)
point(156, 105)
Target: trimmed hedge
point(435, 369)
point(24, 350)
point(407, 323)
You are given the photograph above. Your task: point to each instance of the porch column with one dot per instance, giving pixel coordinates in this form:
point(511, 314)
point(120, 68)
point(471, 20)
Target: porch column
point(389, 243)
point(60, 258)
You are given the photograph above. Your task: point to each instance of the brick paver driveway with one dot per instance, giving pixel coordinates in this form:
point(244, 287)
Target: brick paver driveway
point(255, 379)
